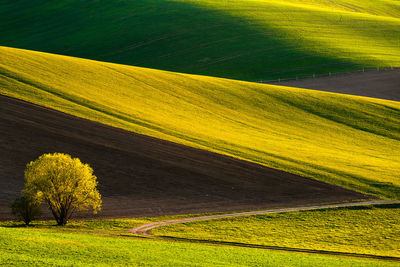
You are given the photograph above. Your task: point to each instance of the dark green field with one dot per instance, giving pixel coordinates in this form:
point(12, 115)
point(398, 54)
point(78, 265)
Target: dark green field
point(240, 39)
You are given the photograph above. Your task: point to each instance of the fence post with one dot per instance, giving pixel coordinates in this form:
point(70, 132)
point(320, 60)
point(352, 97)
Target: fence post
point(330, 74)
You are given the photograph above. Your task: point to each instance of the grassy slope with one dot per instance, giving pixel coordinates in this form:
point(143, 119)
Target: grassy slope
point(346, 140)
point(35, 247)
point(368, 230)
point(241, 39)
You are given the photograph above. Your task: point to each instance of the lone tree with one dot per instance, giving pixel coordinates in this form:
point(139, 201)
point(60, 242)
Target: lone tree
point(64, 183)
point(26, 209)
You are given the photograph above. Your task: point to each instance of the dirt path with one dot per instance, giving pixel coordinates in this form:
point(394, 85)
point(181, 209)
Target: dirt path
point(144, 230)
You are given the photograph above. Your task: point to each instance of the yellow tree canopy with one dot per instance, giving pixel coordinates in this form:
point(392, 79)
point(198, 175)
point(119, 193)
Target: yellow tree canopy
point(64, 183)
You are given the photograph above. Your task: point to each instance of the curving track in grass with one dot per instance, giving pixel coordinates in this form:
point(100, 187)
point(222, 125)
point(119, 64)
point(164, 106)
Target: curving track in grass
point(145, 230)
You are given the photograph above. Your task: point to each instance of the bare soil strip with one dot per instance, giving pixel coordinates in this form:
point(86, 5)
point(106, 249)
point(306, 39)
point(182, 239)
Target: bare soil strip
point(144, 176)
point(144, 230)
point(377, 84)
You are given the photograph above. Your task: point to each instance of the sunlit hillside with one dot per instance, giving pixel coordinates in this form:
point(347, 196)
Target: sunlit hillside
point(240, 39)
point(347, 140)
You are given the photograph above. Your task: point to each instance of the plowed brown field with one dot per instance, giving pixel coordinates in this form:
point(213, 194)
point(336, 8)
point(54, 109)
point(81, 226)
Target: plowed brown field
point(143, 176)
point(377, 84)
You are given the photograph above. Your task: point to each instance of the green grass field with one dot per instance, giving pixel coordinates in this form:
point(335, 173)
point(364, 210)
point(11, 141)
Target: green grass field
point(368, 230)
point(105, 243)
point(346, 140)
point(240, 39)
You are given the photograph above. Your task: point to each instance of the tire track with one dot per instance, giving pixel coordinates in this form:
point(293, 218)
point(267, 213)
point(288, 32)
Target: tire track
point(144, 230)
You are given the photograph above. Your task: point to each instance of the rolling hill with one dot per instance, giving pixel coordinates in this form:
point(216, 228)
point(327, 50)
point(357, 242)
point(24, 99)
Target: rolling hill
point(144, 176)
point(344, 140)
point(159, 97)
point(240, 39)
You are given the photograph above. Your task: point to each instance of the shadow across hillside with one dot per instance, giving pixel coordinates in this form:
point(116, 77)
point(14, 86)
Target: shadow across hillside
point(161, 34)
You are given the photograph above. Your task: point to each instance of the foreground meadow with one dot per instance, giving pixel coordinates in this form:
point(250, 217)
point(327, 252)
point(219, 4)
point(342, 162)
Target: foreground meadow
point(106, 243)
point(368, 230)
point(340, 139)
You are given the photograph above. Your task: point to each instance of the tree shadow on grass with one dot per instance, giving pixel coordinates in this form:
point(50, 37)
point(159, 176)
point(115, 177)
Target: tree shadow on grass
point(22, 225)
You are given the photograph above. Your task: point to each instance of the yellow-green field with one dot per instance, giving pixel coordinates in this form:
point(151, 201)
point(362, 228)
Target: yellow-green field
point(346, 140)
point(366, 230)
point(240, 39)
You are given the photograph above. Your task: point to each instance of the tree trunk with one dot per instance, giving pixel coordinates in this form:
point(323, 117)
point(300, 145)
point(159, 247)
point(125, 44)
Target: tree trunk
point(62, 221)
point(63, 216)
